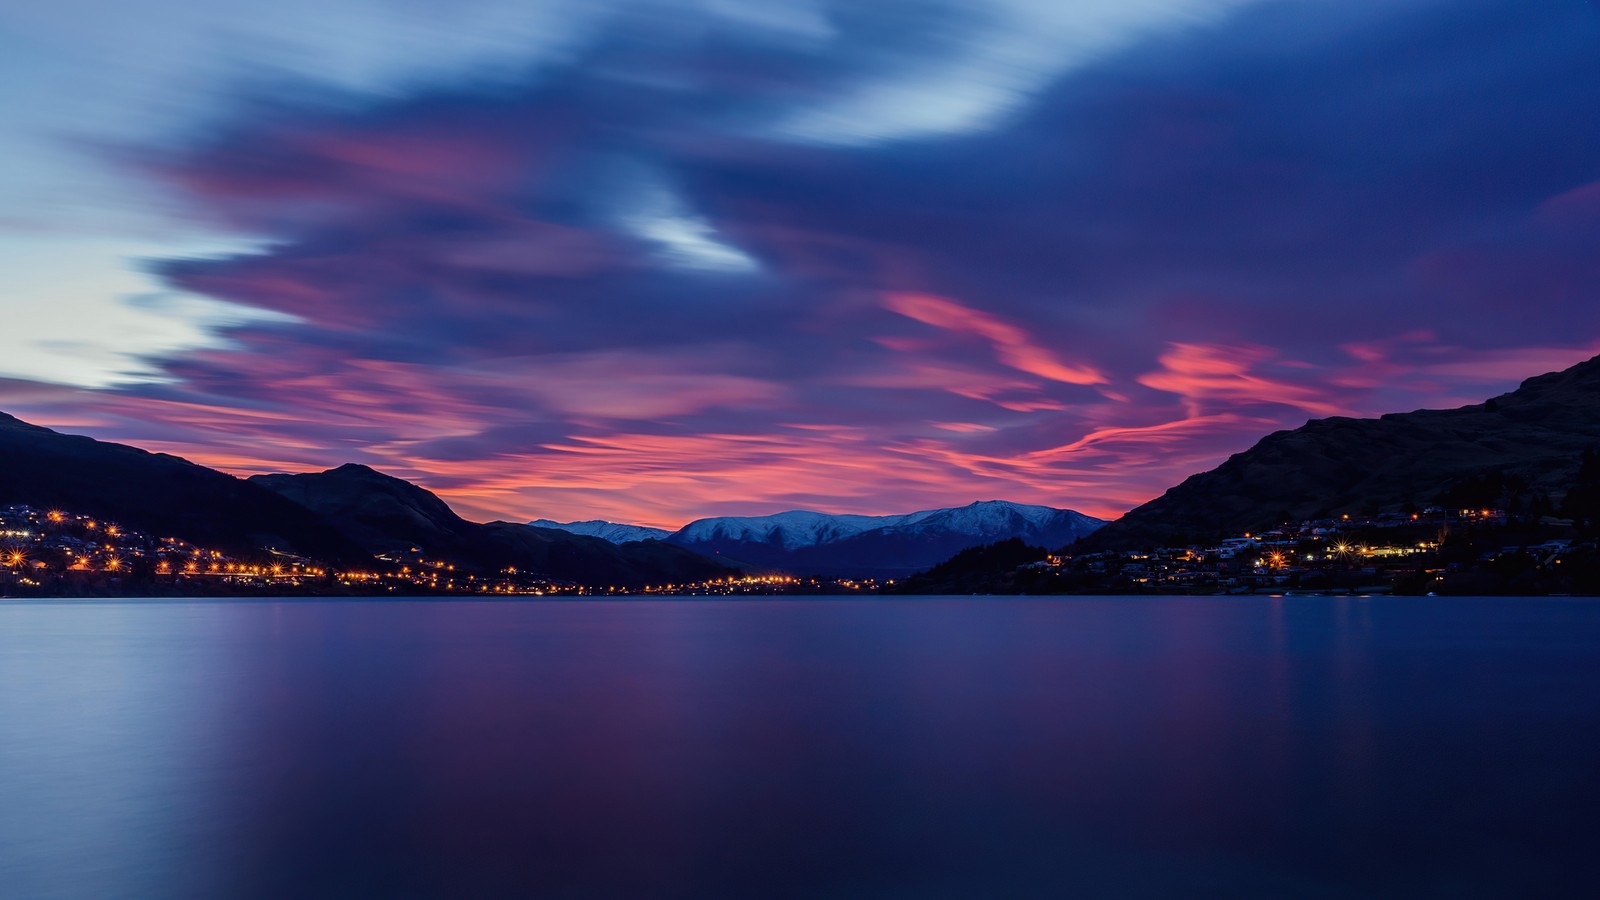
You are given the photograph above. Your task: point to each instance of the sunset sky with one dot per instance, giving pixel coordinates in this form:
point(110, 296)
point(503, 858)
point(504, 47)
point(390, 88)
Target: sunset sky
point(647, 260)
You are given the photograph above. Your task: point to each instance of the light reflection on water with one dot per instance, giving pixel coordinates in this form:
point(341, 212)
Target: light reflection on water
point(937, 748)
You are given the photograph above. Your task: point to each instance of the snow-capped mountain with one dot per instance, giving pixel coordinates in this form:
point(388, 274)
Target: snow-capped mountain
point(1001, 518)
point(790, 530)
point(614, 532)
point(818, 543)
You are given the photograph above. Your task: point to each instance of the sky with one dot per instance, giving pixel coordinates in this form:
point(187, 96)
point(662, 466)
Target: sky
point(651, 260)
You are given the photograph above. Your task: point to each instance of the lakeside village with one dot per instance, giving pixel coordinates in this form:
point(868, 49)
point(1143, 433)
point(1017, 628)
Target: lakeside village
point(47, 553)
point(53, 553)
point(1432, 551)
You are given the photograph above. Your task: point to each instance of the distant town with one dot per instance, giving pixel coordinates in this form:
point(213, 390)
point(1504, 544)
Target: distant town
point(46, 552)
point(1435, 550)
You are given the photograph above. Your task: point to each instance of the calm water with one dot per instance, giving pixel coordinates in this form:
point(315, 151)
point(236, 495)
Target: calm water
point(844, 749)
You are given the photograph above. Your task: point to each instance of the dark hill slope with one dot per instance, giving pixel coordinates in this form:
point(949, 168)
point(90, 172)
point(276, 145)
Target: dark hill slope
point(1536, 434)
point(981, 570)
point(156, 493)
point(381, 513)
point(387, 515)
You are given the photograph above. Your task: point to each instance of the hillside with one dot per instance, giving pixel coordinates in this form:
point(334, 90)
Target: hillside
point(156, 493)
point(1523, 447)
point(389, 516)
point(974, 570)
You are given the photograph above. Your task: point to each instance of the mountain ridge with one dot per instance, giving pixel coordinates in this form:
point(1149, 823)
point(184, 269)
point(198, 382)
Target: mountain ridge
point(156, 492)
point(615, 532)
point(346, 515)
point(388, 515)
point(1531, 438)
point(809, 542)
point(812, 543)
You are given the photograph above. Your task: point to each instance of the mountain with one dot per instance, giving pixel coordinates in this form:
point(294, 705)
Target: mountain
point(388, 516)
point(614, 532)
point(156, 493)
point(793, 530)
point(974, 570)
point(352, 512)
point(1522, 447)
point(816, 543)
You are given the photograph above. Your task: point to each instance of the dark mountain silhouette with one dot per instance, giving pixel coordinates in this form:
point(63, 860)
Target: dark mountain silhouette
point(387, 515)
point(974, 569)
point(1525, 447)
point(157, 493)
point(381, 513)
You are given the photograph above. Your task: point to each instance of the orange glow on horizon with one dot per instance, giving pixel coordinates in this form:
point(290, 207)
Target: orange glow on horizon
point(1005, 431)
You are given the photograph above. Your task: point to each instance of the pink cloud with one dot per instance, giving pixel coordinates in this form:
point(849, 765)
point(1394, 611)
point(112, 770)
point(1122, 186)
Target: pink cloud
point(1210, 373)
point(1011, 343)
point(1440, 374)
point(1579, 204)
point(321, 172)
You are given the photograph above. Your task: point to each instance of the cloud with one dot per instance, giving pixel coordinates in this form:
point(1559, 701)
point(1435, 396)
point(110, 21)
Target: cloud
point(1209, 374)
point(685, 238)
point(976, 70)
point(620, 280)
point(1578, 205)
point(1011, 342)
point(57, 327)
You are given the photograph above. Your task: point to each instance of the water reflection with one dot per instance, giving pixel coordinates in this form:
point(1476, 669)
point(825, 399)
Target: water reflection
point(775, 749)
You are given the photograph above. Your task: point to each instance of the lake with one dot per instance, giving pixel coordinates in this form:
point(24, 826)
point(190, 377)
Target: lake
point(918, 748)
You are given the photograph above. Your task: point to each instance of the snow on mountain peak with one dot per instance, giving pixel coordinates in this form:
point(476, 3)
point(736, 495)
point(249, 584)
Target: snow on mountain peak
point(614, 532)
point(795, 528)
point(989, 519)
